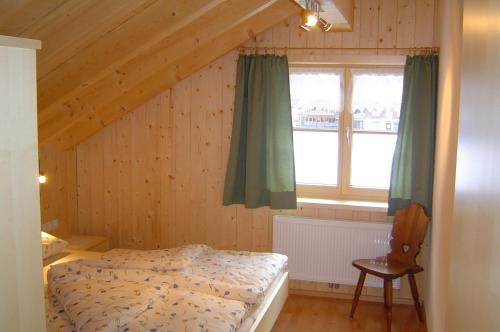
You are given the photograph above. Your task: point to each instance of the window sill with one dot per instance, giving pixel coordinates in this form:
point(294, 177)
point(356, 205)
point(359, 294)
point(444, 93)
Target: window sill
point(343, 204)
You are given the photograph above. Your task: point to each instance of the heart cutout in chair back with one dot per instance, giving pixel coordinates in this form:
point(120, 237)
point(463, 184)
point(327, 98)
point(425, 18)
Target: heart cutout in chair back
point(406, 248)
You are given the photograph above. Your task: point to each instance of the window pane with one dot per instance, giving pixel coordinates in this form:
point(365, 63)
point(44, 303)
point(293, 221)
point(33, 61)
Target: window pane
point(376, 100)
point(315, 97)
point(316, 157)
point(371, 160)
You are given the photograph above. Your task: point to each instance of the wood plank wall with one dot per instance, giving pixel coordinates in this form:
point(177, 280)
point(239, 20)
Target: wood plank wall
point(58, 198)
point(155, 178)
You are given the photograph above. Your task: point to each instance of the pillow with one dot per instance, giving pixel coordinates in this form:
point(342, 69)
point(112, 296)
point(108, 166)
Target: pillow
point(52, 245)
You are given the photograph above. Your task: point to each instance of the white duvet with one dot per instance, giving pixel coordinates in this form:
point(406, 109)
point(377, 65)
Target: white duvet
point(96, 299)
point(126, 287)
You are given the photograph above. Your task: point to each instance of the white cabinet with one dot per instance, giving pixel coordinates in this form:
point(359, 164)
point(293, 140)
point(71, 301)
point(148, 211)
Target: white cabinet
point(21, 283)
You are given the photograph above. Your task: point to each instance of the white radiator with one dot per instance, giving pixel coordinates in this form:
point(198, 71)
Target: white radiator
point(323, 250)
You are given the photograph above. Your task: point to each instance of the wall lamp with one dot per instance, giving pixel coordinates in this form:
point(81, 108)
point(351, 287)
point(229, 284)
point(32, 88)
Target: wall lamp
point(42, 178)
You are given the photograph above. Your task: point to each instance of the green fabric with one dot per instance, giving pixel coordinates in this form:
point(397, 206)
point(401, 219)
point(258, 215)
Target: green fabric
point(260, 170)
point(413, 163)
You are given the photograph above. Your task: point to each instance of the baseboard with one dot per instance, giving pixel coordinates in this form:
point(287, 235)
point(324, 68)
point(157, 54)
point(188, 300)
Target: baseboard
point(342, 296)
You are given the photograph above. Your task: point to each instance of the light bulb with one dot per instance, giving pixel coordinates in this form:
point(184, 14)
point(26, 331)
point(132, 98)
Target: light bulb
point(311, 20)
point(42, 178)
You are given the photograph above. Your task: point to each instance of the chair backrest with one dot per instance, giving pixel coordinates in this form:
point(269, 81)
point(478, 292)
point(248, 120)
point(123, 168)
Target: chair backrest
point(408, 233)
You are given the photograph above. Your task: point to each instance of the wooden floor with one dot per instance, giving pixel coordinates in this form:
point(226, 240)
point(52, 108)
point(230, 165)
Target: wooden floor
point(304, 313)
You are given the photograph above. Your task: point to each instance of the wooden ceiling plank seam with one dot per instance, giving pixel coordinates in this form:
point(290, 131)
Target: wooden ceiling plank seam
point(174, 72)
point(76, 32)
point(17, 19)
point(84, 68)
point(91, 97)
point(60, 4)
point(65, 9)
point(7, 8)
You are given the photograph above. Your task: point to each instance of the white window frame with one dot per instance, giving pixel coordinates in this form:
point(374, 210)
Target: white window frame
point(343, 190)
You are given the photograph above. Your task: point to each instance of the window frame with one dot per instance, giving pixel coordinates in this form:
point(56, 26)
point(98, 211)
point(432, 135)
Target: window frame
point(343, 190)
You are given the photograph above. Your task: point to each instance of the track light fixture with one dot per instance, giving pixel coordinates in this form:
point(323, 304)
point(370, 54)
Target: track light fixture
point(325, 25)
point(310, 17)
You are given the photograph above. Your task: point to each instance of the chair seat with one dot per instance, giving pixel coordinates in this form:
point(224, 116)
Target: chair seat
point(384, 268)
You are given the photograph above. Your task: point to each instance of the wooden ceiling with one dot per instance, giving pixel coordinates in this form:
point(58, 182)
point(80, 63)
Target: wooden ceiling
point(103, 58)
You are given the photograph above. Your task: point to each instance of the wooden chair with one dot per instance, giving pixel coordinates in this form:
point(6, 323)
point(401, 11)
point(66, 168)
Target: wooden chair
point(408, 233)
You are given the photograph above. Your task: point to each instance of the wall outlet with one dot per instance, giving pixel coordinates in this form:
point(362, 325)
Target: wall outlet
point(50, 226)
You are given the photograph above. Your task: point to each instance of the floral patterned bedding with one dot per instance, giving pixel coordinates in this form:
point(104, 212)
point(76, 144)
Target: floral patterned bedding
point(237, 275)
point(95, 299)
point(138, 290)
point(162, 260)
point(51, 245)
point(55, 316)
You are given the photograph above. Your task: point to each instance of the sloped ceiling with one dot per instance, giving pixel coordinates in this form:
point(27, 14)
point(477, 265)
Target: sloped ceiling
point(102, 58)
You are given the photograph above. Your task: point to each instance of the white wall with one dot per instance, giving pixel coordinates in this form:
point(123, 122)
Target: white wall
point(474, 278)
point(21, 285)
point(445, 164)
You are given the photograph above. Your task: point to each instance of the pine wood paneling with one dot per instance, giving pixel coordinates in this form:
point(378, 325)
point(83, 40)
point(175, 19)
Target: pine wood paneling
point(58, 196)
point(158, 67)
point(18, 15)
point(369, 19)
point(405, 34)
point(352, 39)
point(161, 168)
point(388, 23)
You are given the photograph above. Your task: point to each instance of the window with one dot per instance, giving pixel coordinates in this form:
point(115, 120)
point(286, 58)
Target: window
point(345, 122)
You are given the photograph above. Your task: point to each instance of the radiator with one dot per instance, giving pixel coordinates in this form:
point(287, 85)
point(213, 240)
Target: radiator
point(323, 250)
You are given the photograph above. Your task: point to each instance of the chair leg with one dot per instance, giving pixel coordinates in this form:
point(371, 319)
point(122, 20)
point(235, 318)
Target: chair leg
point(357, 294)
point(414, 293)
point(388, 302)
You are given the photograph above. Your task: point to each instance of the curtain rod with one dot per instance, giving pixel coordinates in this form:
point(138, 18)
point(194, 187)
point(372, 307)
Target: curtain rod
point(285, 49)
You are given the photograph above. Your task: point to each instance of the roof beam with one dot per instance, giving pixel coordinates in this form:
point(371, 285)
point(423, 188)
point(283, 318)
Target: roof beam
point(162, 65)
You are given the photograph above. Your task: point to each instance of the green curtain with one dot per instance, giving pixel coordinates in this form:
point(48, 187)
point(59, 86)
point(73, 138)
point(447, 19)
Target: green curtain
point(413, 162)
point(260, 170)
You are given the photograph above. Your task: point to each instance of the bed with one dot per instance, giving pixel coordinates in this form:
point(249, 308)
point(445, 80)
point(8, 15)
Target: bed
point(182, 279)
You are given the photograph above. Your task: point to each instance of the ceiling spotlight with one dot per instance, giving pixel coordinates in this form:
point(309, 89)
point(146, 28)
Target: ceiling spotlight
point(305, 27)
point(325, 25)
point(310, 19)
point(310, 15)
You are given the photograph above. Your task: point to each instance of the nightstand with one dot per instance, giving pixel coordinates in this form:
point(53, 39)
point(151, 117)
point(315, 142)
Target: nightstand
point(88, 243)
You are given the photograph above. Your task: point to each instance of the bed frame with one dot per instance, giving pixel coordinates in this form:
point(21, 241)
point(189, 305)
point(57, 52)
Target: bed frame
point(271, 308)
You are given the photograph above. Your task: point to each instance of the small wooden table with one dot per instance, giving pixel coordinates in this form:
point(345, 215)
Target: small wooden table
point(88, 243)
